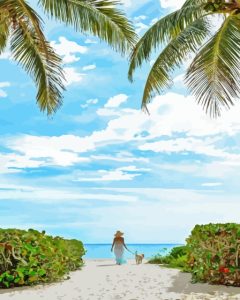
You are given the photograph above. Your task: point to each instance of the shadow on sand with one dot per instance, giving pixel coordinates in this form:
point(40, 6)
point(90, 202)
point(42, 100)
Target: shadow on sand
point(108, 265)
point(113, 264)
point(182, 284)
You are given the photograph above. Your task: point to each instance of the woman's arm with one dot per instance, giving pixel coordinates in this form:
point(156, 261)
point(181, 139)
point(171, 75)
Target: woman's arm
point(125, 246)
point(113, 244)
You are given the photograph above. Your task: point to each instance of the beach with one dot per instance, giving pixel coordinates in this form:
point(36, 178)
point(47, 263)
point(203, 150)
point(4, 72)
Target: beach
point(101, 279)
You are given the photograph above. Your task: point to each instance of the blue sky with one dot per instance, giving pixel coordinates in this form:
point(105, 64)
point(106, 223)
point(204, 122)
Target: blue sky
point(100, 163)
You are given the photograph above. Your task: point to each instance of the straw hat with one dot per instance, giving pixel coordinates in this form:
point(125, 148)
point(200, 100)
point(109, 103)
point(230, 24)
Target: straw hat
point(119, 233)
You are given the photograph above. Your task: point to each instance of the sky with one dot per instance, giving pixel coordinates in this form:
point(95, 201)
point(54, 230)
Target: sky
point(100, 164)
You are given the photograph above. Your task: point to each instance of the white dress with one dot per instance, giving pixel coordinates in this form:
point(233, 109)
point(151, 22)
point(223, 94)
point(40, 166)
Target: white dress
point(119, 253)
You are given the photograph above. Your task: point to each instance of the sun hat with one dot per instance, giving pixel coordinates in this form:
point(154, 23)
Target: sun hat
point(118, 233)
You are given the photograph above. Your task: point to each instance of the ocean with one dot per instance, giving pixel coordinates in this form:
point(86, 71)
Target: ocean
point(149, 250)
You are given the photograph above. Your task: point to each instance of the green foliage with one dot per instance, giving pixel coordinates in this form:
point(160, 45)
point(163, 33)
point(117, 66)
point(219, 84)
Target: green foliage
point(214, 253)
point(30, 257)
point(177, 258)
point(101, 18)
point(22, 28)
point(160, 259)
point(213, 76)
point(216, 67)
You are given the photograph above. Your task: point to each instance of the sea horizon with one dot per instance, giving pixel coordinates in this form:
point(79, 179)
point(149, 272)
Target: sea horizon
point(103, 250)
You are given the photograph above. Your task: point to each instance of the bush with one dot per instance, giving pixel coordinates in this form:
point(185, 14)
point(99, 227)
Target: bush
point(30, 257)
point(178, 251)
point(214, 253)
point(160, 259)
point(177, 258)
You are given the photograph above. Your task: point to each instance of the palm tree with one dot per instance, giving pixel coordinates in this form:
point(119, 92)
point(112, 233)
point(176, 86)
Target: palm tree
point(22, 27)
point(213, 77)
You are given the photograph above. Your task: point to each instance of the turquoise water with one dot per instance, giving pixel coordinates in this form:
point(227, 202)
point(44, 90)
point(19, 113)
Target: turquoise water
point(149, 250)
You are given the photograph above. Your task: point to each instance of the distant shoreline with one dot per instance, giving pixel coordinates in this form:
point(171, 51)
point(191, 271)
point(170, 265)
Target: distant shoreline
point(103, 251)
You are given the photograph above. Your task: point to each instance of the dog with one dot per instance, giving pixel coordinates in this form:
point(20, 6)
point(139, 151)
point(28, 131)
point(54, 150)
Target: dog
point(139, 258)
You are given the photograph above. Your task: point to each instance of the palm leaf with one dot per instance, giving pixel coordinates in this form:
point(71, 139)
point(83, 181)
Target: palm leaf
point(194, 2)
point(98, 17)
point(4, 33)
point(188, 41)
point(4, 29)
point(30, 49)
point(214, 75)
point(162, 32)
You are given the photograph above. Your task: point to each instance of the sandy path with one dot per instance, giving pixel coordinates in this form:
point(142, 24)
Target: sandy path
point(103, 280)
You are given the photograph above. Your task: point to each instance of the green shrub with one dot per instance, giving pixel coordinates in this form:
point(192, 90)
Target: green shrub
point(180, 263)
point(177, 258)
point(178, 251)
point(214, 253)
point(159, 259)
point(30, 257)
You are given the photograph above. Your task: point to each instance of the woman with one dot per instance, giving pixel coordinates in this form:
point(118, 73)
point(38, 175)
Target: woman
point(119, 245)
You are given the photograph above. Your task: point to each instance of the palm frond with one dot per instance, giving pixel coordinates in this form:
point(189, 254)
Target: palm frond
point(194, 2)
point(98, 17)
point(162, 32)
point(172, 56)
point(30, 49)
point(214, 75)
point(4, 33)
point(4, 29)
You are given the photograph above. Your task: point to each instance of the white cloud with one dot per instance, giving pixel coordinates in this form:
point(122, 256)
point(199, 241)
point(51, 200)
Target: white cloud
point(72, 76)
point(116, 101)
point(89, 67)
point(153, 21)
point(133, 169)
point(89, 41)
point(168, 118)
point(133, 5)
point(44, 151)
point(179, 79)
point(47, 153)
point(127, 3)
point(89, 102)
point(218, 169)
point(189, 168)
point(49, 194)
point(4, 84)
point(92, 101)
point(199, 146)
point(120, 174)
point(120, 157)
point(140, 27)
point(175, 4)
point(151, 63)
point(140, 18)
point(212, 184)
point(68, 49)
point(3, 94)
point(5, 55)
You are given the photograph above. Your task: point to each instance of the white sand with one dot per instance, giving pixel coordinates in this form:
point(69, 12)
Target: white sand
point(103, 280)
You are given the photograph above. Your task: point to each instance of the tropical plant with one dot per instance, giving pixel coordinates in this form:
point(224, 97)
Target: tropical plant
point(213, 77)
point(214, 253)
point(22, 27)
point(177, 258)
point(31, 257)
